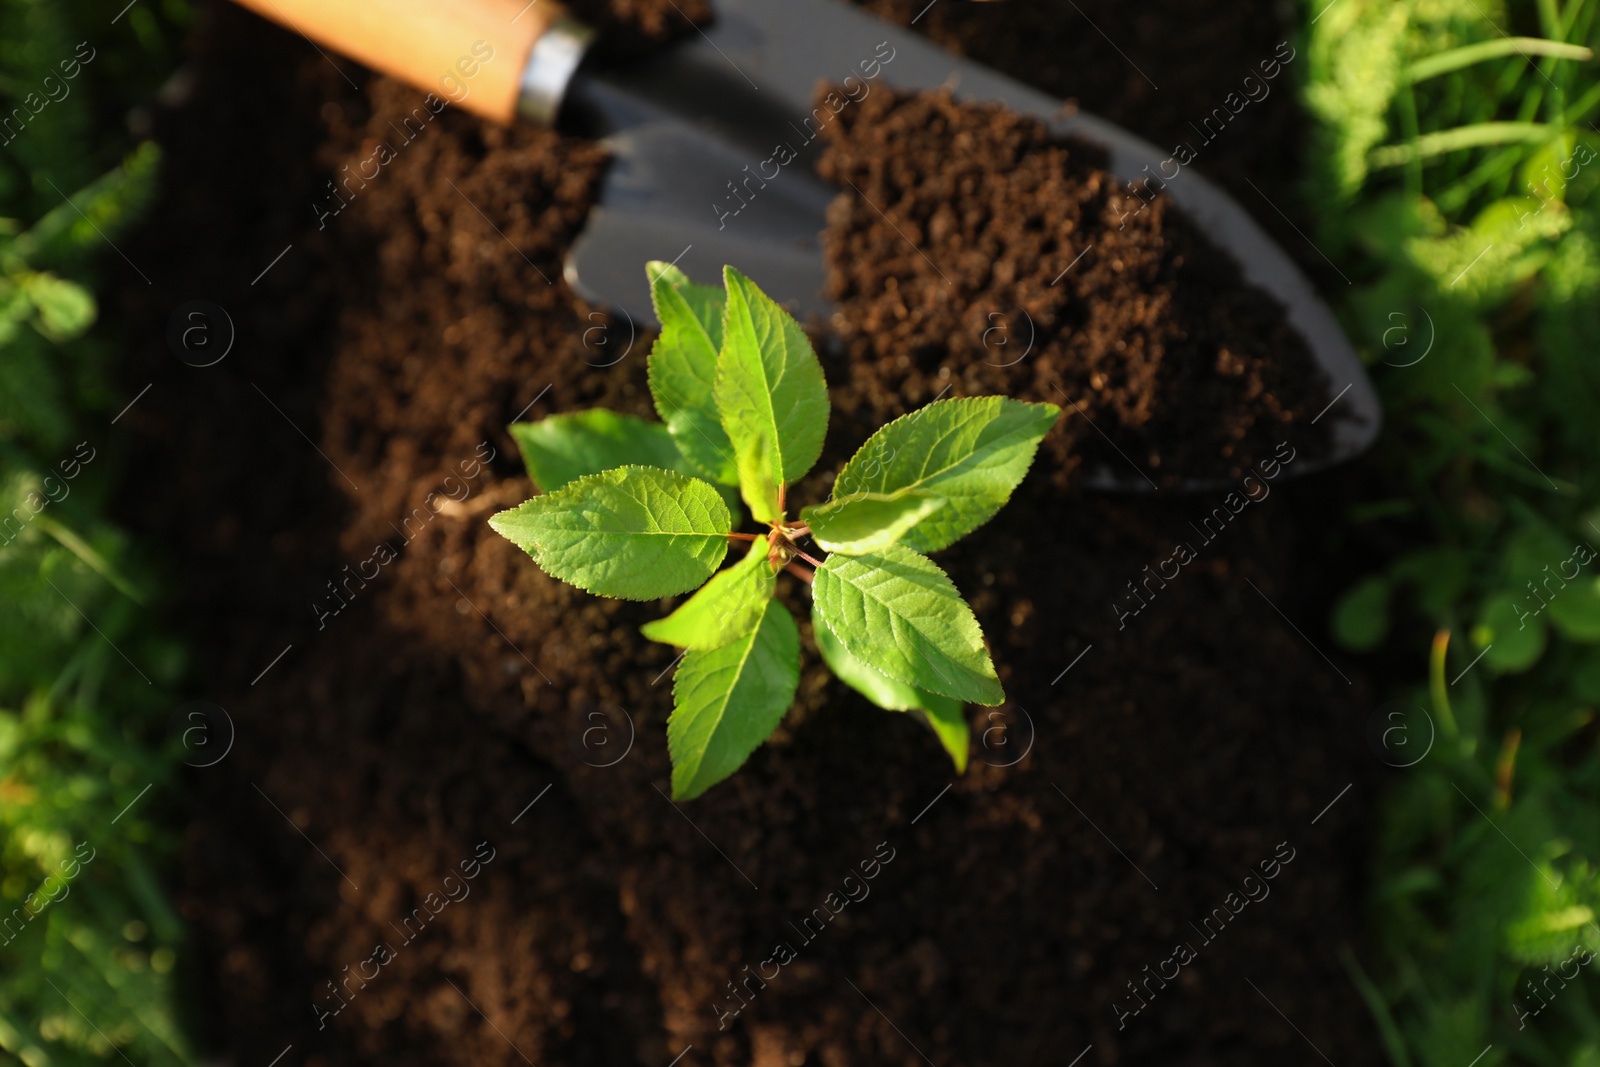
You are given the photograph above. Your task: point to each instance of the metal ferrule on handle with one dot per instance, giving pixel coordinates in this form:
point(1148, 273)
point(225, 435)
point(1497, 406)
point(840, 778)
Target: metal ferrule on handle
point(500, 59)
point(550, 67)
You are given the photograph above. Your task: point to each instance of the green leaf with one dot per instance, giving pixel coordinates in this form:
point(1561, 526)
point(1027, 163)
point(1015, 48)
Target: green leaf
point(770, 394)
point(1574, 601)
point(972, 452)
point(940, 714)
point(1361, 617)
point(683, 368)
point(726, 608)
point(1511, 634)
point(896, 611)
point(756, 485)
point(636, 533)
point(883, 691)
point(564, 448)
point(868, 522)
point(65, 308)
point(728, 700)
point(1442, 576)
point(948, 722)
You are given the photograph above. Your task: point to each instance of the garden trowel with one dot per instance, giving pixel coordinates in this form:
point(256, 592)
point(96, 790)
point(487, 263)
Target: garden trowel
point(714, 140)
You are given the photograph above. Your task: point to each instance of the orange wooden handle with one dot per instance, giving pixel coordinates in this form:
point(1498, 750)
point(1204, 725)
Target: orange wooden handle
point(469, 52)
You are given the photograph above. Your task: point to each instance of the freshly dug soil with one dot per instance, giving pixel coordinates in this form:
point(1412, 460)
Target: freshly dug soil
point(403, 722)
point(972, 252)
point(1157, 69)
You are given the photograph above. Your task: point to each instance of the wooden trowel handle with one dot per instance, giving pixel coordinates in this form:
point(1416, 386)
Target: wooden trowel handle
point(472, 53)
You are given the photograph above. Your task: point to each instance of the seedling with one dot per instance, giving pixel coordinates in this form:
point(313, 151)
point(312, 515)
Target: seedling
point(640, 510)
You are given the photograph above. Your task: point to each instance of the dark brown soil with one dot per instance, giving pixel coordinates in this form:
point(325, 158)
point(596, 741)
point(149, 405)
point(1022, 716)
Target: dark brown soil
point(972, 252)
point(399, 720)
point(1157, 69)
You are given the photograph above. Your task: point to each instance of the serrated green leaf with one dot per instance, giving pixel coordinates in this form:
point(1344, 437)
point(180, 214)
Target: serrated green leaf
point(635, 533)
point(726, 608)
point(973, 452)
point(897, 612)
point(755, 482)
point(683, 369)
point(940, 714)
point(564, 448)
point(883, 691)
point(770, 394)
point(868, 522)
point(728, 700)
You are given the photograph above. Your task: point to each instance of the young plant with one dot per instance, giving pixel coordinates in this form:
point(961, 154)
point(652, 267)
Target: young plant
point(640, 510)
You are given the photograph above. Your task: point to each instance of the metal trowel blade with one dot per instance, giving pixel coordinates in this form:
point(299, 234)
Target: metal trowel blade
point(696, 131)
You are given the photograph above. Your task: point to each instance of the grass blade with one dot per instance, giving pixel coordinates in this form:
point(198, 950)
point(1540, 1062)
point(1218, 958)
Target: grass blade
point(1500, 48)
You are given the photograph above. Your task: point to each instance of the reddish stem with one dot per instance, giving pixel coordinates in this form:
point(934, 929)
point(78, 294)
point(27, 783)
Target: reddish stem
point(782, 492)
point(802, 530)
point(808, 559)
point(798, 571)
point(747, 537)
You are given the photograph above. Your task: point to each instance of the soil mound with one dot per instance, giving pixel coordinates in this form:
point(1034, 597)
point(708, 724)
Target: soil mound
point(973, 253)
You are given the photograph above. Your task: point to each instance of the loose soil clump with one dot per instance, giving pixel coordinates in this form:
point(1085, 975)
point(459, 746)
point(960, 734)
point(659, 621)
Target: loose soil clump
point(973, 253)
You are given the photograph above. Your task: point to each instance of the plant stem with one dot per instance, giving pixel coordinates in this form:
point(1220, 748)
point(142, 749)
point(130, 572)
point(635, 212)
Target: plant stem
point(799, 572)
point(1437, 688)
point(808, 559)
point(746, 537)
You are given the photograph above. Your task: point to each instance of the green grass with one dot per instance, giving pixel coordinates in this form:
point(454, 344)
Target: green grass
point(1454, 175)
point(88, 943)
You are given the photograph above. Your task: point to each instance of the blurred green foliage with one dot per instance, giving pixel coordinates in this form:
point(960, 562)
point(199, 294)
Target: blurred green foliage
point(1455, 166)
point(88, 944)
